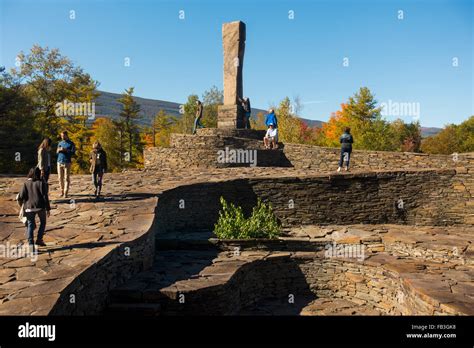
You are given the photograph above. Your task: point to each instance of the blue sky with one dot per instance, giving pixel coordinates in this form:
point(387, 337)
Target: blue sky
point(407, 60)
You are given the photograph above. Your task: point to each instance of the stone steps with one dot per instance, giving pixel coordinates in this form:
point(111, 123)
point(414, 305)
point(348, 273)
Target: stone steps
point(185, 158)
point(239, 133)
point(186, 141)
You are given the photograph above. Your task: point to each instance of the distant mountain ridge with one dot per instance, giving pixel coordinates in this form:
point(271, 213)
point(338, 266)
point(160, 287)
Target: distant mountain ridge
point(107, 105)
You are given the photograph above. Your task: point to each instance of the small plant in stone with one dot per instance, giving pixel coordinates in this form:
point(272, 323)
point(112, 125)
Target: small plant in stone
point(231, 220)
point(233, 225)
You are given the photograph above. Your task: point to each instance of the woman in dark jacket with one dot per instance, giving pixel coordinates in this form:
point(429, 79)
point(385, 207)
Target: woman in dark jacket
point(98, 159)
point(34, 197)
point(346, 141)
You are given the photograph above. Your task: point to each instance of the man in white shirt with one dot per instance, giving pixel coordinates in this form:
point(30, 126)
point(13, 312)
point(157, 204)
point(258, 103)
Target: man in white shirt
point(271, 137)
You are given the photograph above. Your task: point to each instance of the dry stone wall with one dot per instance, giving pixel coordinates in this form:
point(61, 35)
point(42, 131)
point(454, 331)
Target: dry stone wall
point(201, 150)
point(427, 197)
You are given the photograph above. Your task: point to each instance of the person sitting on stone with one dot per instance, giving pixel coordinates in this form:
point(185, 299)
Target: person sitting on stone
point(197, 120)
point(248, 111)
point(271, 137)
point(271, 118)
point(346, 141)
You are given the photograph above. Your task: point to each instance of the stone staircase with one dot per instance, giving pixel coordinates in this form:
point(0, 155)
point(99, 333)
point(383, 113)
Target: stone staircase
point(216, 148)
point(194, 274)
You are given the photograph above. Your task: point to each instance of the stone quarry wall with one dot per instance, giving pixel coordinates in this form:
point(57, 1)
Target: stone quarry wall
point(430, 197)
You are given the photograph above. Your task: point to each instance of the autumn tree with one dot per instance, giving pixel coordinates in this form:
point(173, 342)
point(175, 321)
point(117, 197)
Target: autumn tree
point(258, 122)
point(106, 132)
point(161, 128)
point(18, 137)
point(452, 138)
point(48, 78)
point(289, 125)
point(211, 99)
point(186, 121)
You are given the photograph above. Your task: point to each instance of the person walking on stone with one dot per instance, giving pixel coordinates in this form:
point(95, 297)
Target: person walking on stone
point(98, 160)
point(34, 198)
point(197, 120)
point(271, 118)
point(346, 141)
point(248, 111)
point(66, 149)
point(44, 159)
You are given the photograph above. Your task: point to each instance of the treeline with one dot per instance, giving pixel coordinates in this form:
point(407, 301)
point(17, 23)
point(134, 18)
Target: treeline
point(452, 139)
point(47, 93)
point(361, 114)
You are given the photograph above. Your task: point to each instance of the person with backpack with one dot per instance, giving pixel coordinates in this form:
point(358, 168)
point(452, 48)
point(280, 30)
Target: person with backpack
point(34, 198)
point(66, 149)
point(98, 160)
point(346, 141)
point(44, 158)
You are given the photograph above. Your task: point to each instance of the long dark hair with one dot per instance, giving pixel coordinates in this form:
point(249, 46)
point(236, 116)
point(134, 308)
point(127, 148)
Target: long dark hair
point(45, 143)
point(34, 173)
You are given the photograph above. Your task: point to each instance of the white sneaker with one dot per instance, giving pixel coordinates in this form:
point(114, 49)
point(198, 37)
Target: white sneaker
point(338, 169)
point(347, 168)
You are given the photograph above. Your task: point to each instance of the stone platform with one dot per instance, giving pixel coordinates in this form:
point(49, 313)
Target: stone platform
point(215, 148)
point(97, 247)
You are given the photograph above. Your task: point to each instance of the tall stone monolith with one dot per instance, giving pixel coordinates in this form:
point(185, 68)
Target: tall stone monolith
point(230, 115)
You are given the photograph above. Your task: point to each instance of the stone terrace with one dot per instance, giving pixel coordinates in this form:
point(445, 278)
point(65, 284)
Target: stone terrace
point(96, 246)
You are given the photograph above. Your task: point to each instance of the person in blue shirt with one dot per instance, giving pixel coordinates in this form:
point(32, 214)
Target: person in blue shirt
point(271, 118)
point(66, 149)
point(346, 141)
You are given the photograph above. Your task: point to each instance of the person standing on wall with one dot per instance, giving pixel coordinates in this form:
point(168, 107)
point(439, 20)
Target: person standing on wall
point(66, 149)
point(98, 160)
point(248, 111)
point(271, 118)
point(346, 141)
point(197, 120)
point(44, 159)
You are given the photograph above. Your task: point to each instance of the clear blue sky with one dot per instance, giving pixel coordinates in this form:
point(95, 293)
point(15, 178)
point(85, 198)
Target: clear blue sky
point(407, 60)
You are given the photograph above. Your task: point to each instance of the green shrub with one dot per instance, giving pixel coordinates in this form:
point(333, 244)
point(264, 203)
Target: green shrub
point(233, 225)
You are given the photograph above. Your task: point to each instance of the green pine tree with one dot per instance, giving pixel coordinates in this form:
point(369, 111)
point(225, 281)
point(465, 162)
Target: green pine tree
point(128, 128)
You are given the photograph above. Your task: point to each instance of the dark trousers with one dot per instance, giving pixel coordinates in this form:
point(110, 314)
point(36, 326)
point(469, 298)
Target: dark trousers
point(47, 171)
point(345, 155)
point(247, 120)
point(97, 178)
point(31, 225)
